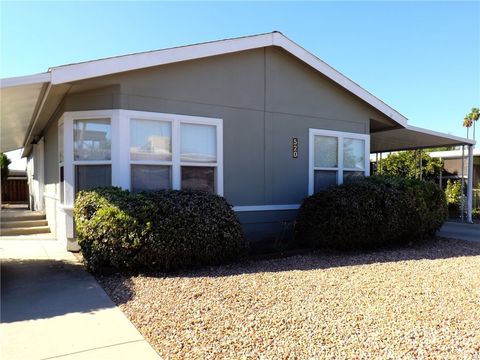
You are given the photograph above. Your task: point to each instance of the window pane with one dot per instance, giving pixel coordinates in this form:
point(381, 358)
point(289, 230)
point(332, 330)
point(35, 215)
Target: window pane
point(91, 176)
point(150, 177)
point(326, 148)
point(150, 140)
point(354, 153)
point(323, 179)
point(349, 175)
point(92, 139)
point(198, 143)
point(198, 178)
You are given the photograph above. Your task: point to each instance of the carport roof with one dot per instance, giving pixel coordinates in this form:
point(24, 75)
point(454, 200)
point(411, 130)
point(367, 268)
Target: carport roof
point(412, 137)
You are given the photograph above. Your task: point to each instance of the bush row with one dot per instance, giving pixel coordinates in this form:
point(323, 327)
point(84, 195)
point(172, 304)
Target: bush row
point(371, 212)
point(169, 229)
point(160, 230)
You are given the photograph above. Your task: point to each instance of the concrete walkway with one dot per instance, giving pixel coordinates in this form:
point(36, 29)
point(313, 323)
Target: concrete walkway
point(52, 309)
point(461, 231)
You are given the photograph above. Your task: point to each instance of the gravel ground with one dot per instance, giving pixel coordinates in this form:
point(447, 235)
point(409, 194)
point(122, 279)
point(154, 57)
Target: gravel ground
point(421, 302)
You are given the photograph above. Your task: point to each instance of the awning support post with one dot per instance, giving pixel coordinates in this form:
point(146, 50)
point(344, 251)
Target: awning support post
point(462, 197)
point(470, 184)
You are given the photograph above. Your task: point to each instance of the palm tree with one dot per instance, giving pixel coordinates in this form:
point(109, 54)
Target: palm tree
point(467, 122)
point(474, 115)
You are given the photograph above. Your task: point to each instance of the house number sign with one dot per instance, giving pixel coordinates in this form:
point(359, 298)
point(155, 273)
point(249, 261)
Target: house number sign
point(295, 148)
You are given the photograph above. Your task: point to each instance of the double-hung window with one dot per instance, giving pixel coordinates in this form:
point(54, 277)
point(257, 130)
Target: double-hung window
point(175, 152)
point(150, 154)
point(198, 156)
point(92, 153)
point(336, 157)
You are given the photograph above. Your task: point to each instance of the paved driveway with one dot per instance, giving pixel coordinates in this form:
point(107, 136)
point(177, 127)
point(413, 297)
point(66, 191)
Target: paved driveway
point(52, 308)
point(461, 231)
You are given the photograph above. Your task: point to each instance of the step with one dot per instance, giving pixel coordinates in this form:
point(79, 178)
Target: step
point(22, 224)
point(34, 216)
point(24, 231)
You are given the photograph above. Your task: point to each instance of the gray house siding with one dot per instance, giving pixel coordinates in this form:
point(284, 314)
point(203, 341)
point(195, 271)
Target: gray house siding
point(265, 97)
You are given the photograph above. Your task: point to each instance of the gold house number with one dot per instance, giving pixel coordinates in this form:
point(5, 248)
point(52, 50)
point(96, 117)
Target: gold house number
point(295, 148)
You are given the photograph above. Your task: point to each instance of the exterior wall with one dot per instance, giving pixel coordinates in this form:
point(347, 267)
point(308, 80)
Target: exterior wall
point(51, 186)
point(265, 97)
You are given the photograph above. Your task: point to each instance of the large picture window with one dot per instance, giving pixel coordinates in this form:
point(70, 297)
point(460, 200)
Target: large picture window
point(336, 157)
point(174, 152)
point(139, 151)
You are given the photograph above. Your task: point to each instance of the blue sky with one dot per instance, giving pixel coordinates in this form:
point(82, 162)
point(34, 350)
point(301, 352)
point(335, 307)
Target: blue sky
point(421, 58)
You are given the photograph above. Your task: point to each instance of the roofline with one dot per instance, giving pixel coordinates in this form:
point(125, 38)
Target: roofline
point(25, 80)
point(108, 66)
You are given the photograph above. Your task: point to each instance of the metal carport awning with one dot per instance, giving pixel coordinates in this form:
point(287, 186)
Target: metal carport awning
point(19, 100)
point(412, 138)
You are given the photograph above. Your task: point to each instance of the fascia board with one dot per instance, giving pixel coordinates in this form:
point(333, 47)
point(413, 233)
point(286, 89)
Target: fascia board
point(25, 80)
point(69, 73)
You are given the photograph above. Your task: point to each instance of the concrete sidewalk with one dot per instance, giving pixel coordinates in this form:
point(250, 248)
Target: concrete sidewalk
point(461, 231)
point(52, 308)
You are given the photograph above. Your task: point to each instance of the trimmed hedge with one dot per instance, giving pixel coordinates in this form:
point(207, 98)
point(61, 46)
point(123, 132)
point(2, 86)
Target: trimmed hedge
point(161, 230)
point(371, 212)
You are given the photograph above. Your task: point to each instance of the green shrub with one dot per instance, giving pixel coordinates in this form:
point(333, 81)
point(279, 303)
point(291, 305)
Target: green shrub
point(161, 230)
point(453, 193)
point(371, 212)
point(476, 213)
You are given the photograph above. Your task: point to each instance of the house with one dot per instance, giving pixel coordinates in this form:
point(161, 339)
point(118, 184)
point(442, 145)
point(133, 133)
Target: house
point(257, 119)
point(452, 165)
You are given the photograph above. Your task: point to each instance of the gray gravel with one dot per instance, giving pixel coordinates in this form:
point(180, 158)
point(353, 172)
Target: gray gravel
point(422, 302)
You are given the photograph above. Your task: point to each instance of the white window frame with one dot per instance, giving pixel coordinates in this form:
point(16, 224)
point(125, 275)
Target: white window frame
point(68, 151)
point(120, 147)
point(340, 136)
point(176, 163)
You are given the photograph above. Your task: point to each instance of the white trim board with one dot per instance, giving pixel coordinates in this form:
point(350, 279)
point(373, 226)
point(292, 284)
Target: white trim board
point(266, 207)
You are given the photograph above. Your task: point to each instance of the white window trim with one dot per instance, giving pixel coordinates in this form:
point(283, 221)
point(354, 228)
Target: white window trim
point(120, 147)
point(176, 120)
point(340, 135)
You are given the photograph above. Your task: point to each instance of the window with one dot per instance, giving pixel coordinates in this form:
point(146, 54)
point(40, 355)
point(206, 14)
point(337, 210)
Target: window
point(174, 152)
point(198, 156)
point(150, 154)
point(92, 153)
point(337, 157)
point(92, 139)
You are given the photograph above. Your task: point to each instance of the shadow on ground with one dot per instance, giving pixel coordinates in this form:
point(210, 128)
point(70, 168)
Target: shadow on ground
point(39, 289)
point(119, 287)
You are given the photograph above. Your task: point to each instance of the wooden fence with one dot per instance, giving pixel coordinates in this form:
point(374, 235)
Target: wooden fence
point(15, 190)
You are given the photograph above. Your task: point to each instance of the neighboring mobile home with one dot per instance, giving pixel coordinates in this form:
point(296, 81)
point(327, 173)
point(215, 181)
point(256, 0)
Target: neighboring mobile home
point(256, 119)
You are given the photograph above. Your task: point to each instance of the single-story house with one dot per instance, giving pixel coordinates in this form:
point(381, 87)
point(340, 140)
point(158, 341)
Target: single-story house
point(257, 119)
